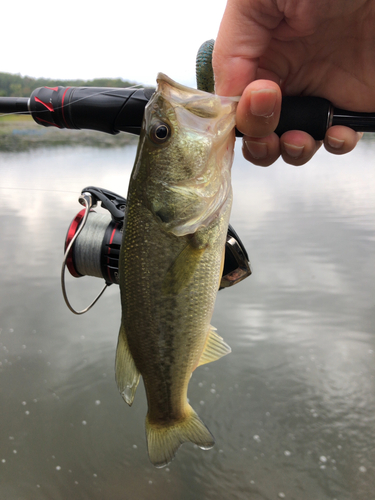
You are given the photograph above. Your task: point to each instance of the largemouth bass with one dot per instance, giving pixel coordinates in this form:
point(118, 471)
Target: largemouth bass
point(176, 221)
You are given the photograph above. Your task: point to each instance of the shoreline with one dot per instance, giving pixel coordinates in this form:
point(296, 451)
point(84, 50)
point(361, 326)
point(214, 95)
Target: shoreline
point(21, 133)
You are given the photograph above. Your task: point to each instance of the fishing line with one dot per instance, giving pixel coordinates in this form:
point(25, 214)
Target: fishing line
point(16, 113)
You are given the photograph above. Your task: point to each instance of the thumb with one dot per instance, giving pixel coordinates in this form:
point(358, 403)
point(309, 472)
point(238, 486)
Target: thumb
point(240, 43)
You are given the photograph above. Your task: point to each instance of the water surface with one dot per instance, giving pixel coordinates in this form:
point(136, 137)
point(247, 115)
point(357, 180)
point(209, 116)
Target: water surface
point(292, 407)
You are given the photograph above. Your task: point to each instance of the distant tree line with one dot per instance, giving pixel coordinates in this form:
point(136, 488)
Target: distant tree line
point(22, 86)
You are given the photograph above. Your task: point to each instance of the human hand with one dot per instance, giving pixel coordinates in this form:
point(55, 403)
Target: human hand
point(310, 47)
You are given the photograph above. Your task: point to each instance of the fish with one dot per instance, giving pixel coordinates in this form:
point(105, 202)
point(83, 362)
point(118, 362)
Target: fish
point(171, 258)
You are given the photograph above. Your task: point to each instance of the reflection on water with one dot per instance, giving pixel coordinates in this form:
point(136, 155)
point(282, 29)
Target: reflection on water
point(292, 408)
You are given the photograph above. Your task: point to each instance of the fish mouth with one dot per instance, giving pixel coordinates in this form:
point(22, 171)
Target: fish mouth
point(163, 78)
point(198, 104)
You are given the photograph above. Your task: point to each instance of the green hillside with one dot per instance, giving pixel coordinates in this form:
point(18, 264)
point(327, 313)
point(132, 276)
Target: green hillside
point(22, 86)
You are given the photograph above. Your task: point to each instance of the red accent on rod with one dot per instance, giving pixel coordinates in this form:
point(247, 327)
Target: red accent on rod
point(52, 88)
point(48, 106)
point(46, 121)
point(62, 106)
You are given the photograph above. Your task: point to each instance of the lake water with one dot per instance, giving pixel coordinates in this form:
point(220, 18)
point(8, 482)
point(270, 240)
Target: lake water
point(292, 408)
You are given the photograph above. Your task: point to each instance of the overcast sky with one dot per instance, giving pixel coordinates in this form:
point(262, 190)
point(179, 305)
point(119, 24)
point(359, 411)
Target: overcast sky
point(131, 39)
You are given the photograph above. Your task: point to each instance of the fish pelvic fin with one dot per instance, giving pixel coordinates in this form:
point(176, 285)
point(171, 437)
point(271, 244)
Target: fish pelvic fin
point(215, 347)
point(163, 441)
point(127, 375)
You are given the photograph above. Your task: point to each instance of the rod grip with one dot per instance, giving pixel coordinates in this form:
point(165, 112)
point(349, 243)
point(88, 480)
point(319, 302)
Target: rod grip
point(310, 114)
point(110, 110)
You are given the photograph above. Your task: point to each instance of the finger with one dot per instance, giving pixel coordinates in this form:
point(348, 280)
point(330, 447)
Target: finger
point(262, 152)
point(239, 44)
point(298, 147)
point(340, 140)
point(258, 110)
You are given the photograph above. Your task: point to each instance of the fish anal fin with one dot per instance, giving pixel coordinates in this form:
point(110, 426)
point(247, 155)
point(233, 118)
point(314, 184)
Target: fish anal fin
point(163, 441)
point(182, 269)
point(127, 375)
point(215, 347)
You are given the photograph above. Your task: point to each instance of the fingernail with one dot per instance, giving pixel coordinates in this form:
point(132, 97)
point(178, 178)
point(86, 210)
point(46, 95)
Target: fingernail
point(335, 143)
point(263, 102)
point(258, 150)
point(293, 151)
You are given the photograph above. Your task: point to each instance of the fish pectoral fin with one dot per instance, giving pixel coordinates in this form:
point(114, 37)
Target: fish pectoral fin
point(215, 347)
point(164, 440)
point(182, 269)
point(127, 375)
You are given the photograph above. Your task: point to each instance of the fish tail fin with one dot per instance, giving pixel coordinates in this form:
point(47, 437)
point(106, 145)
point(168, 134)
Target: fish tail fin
point(164, 441)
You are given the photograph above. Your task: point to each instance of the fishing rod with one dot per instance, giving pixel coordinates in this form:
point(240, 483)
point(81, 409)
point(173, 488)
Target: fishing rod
point(114, 110)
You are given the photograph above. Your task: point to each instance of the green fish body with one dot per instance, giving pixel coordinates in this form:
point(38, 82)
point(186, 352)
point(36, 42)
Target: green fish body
point(176, 222)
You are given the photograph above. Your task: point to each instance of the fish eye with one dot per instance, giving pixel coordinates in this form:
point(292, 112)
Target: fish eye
point(160, 132)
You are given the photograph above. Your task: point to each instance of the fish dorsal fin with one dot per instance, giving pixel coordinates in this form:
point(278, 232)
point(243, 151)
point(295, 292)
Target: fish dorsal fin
point(127, 375)
point(215, 347)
